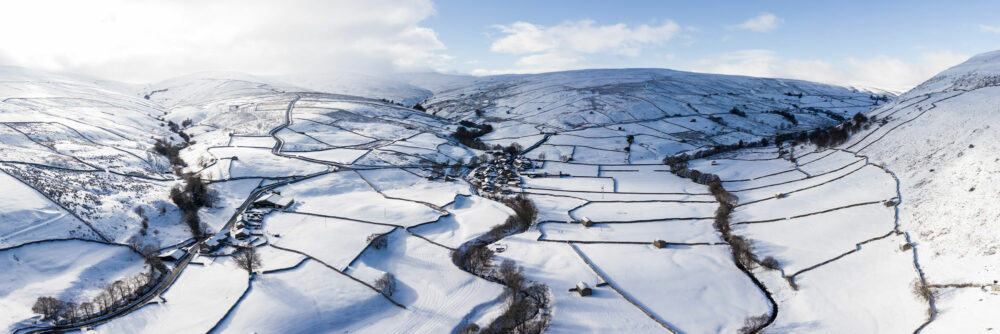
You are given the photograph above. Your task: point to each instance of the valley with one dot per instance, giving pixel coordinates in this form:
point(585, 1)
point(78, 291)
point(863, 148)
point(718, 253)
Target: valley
point(683, 202)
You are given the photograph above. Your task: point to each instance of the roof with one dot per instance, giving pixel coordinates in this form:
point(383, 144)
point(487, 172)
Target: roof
point(176, 253)
point(275, 199)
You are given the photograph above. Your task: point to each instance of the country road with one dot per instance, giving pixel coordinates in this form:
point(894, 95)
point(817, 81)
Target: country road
point(182, 264)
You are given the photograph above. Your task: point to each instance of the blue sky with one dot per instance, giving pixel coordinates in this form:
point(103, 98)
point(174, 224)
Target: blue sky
point(888, 44)
point(918, 38)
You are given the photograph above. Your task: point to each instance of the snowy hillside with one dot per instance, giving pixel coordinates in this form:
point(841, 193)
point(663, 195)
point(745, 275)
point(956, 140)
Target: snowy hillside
point(941, 140)
point(77, 154)
point(503, 203)
point(667, 111)
point(371, 86)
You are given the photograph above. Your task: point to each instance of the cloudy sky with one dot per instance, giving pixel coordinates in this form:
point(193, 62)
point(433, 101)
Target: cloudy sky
point(889, 44)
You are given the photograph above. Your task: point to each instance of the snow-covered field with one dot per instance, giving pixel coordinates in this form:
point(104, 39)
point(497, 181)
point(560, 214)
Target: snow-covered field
point(889, 232)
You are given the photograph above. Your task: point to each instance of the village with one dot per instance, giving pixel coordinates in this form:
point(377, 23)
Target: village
point(246, 231)
point(500, 171)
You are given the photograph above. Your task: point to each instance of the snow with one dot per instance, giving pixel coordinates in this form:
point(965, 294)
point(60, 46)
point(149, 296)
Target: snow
point(336, 155)
point(309, 299)
point(28, 216)
point(642, 211)
point(928, 143)
point(869, 184)
point(399, 183)
point(869, 291)
point(252, 141)
point(346, 195)
point(967, 310)
point(679, 231)
point(800, 243)
point(182, 308)
point(706, 292)
point(437, 295)
point(570, 184)
point(259, 162)
point(559, 267)
point(833, 235)
point(471, 216)
point(70, 270)
point(334, 241)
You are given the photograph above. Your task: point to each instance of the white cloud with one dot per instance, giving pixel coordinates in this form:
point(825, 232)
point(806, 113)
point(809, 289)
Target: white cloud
point(141, 41)
point(989, 29)
point(760, 23)
point(879, 72)
point(563, 46)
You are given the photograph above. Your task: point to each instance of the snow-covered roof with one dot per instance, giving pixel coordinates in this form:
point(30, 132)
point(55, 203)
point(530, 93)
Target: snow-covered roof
point(274, 199)
point(174, 254)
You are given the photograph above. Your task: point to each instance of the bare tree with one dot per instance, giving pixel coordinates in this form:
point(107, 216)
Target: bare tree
point(379, 241)
point(48, 307)
point(248, 259)
point(753, 324)
point(70, 310)
point(102, 300)
point(87, 308)
point(511, 275)
point(119, 290)
point(386, 284)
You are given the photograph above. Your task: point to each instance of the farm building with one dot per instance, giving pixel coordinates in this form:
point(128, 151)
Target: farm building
point(253, 217)
point(273, 200)
point(241, 234)
point(216, 240)
point(172, 255)
point(582, 289)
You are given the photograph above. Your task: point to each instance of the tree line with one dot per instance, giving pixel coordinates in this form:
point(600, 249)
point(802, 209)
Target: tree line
point(112, 296)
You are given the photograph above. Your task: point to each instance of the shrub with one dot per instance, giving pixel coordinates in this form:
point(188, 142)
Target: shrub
point(193, 195)
point(787, 115)
point(721, 223)
point(386, 284)
point(475, 259)
point(741, 251)
point(470, 328)
point(860, 118)
point(524, 302)
point(171, 152)
point(248, 259)
point(512, 275)
point(770, 263)
point(377, 240)
point(513, 149)
point(754, 324)
point(524, 209)
point(48, 307)
point(718, 120)
point(470, 136)
point(921, 290)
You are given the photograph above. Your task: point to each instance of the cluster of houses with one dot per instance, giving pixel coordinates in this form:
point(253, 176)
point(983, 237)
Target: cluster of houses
point(436, 174)
point(501, 170)
point(249, 226)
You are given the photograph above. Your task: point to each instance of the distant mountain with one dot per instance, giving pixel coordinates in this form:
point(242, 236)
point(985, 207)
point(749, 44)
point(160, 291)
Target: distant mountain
point(693, 109)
